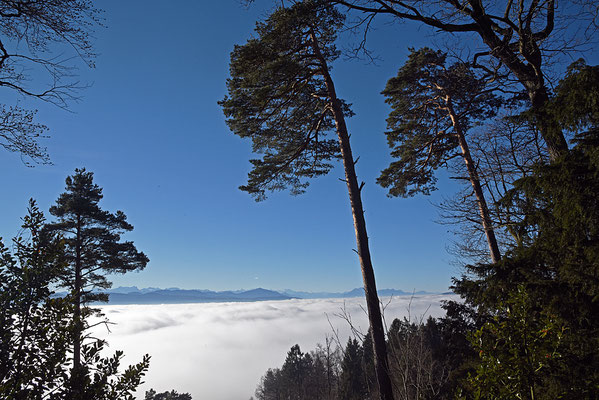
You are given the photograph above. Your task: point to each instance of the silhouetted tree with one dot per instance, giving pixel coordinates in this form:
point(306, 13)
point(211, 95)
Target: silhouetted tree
point(282, 97)
point(19, 133)
point(518, 38)
point(32, 32)
point(550, 281)
point(419, 366)
point(506, 149)
point(36, 328)
point(352, 385)
point(92, 250)
point(433, 106)
point(38, 42)
point(271, 386)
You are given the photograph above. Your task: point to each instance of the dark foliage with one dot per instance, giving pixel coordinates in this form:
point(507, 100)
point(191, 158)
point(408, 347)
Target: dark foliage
point(92, 249)
point(36, 346)
point(278, 98)
point(34, 327)
point(547, 289)
point(92, 238)
point(422, 136)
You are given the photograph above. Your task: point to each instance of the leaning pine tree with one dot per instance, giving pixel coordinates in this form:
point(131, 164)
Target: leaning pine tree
point(282, 96)
point(433, 106)
point(92, 250)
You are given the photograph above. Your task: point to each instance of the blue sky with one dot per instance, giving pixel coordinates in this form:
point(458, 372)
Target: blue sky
point(150, 129)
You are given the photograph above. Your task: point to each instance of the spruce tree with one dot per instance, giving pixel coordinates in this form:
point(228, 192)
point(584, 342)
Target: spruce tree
point(93, 248)
point(353, 384)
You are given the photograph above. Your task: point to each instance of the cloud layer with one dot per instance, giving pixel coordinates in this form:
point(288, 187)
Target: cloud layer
point(219, 351)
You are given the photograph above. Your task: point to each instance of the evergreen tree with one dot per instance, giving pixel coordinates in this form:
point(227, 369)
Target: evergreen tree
point(517, 39)
point(369, 367)
point(36, 328)
point(92, 250)
point(433, 106)
point(295, 371)
point(271, 386)
point(556, 269)
point(282, 97)
point(353, 377)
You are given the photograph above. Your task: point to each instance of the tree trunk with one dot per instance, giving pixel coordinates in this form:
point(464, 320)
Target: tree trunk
point(372, 299)
point(529, 74)
point(475, 181)
point(76, 375)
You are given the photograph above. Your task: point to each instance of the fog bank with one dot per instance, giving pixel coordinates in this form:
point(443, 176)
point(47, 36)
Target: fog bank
point(219, 351)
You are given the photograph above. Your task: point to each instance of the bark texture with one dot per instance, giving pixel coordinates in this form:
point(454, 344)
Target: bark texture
point(355, 198)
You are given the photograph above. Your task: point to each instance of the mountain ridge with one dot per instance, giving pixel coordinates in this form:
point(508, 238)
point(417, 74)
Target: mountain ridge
point(133, 295)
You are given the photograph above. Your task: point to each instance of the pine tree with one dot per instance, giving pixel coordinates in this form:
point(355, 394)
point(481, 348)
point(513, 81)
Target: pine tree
point(282, 97)
point(92, 250)
point(515, 42)
point(433, 106)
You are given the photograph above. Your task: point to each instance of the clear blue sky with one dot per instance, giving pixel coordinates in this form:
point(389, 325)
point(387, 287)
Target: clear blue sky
point(150, 129)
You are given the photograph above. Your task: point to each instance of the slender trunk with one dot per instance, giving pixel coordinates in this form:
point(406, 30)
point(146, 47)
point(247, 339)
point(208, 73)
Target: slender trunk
point(475, 181)
point(77, 322)
point(372, 299)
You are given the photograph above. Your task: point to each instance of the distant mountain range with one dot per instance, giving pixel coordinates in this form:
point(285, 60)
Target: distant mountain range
point(357, 292)
point(133, 295)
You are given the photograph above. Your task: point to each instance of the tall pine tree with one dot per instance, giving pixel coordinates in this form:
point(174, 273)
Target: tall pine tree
point(93, 248)
point(282, 96)
point(433, 106)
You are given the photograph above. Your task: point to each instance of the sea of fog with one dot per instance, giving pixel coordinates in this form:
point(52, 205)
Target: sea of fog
point(219, 351)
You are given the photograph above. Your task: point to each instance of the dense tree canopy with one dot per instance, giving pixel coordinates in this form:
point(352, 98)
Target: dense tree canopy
point(555, 268)
point(36, 346)
point(278, 98)
point(34, 327)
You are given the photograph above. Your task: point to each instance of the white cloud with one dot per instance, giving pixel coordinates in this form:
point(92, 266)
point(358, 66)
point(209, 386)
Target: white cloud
point(219, 351)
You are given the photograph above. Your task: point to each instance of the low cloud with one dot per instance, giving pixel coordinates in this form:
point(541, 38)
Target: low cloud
point(219, 351)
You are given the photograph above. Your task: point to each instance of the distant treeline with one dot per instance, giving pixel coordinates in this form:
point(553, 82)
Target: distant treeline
point(425, 359)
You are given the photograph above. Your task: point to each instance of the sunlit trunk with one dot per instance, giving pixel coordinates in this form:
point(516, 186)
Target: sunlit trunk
point(372, 299)
point(475, 181)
